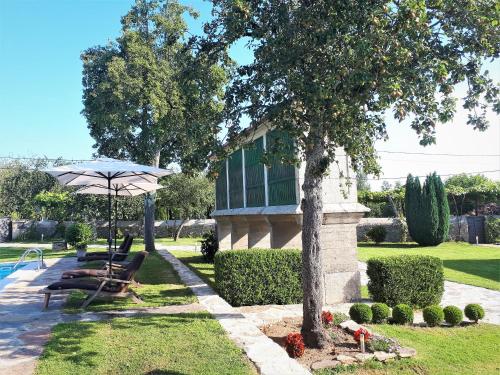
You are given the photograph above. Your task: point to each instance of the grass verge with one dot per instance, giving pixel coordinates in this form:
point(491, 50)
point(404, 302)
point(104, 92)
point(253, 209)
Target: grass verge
point(12, 254)
point(440, 351)
point(164, 344)
point(196, 262)
point(463, 263)
point(160, 285)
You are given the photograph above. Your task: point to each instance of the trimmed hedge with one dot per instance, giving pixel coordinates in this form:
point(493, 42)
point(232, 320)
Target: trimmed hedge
point(415, 280)
point(361, 313)
point(474, 312)
point(259, 276)
point(453, 315)
point(402, 314)
point(433, 315)
point(380, 312)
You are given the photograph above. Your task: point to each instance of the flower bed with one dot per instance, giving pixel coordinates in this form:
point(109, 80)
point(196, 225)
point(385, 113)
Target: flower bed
point(343, 349)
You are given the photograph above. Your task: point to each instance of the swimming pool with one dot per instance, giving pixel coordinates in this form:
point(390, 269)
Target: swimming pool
point(7, 268)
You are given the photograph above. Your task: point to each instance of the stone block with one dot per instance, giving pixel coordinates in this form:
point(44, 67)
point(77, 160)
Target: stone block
point(259, 232)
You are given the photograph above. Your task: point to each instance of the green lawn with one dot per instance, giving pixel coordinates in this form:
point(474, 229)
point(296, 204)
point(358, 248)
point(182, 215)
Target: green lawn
point(463, 263)
point(160, 285)
point(166, 344)
point(197, 263)
point(12, 254)
point(440, 351)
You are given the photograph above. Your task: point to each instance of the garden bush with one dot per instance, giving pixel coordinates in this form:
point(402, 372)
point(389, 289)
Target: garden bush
point(380, 312)
point(360, 313)
point(294, 345)
point(209, 245)
point(474, 312)
point(453, 315)
point(78, 234)
point(339, 317)
point(433, 315)
point(402, 314)
point(259, 276)
point(492, 229)
point(416, 280)
point(377, 234)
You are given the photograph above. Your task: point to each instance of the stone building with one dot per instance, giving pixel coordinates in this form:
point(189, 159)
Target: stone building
point(259, 207)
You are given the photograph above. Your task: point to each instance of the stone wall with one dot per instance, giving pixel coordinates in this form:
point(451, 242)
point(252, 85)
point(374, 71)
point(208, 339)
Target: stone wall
point(392, 225)
point(192, 228)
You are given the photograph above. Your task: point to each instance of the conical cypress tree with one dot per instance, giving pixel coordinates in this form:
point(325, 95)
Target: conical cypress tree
point(427, 211)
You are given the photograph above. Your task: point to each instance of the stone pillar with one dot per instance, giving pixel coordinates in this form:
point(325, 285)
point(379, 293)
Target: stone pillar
point(239, 232)
point(224, 233)
point(286, 231)
point(338, 251)
point(259, 231)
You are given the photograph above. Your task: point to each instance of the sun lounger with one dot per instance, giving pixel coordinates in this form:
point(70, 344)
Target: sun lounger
point(120, 255)
point(99, 286)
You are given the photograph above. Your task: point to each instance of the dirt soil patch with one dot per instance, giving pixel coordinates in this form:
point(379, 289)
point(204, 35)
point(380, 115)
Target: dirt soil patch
point(341, 342)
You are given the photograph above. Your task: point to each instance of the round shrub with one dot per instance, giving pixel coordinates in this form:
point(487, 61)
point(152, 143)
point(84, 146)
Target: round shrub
point(361, 313)
point(433, 315)
point(377, 234)
point(78, 234)
point(209, 245)
point(294, 345)
point(402, 314)
point(474, 312)
point(453, 315)
point(380, 312)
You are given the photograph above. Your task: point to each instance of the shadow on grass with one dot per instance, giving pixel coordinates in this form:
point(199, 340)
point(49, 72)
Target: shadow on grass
point(486, 268)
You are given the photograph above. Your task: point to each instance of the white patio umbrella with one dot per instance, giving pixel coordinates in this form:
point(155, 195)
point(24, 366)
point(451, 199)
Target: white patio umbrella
point(120, 189)
point(105, 172)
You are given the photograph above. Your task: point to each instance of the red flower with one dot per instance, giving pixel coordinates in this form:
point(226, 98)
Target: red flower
point(357, 335)
point(294, 345)
point(327, 318)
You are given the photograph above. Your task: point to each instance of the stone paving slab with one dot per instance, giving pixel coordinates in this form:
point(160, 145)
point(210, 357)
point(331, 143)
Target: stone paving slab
point(269, 357)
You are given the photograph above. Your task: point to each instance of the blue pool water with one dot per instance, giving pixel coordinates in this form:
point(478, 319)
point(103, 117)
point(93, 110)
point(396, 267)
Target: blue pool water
point(7, 268)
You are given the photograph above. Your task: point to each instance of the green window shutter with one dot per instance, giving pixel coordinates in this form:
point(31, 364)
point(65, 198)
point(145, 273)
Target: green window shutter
point(254, 173)
point(281, 177)
point(221, 188)
point(235, 180)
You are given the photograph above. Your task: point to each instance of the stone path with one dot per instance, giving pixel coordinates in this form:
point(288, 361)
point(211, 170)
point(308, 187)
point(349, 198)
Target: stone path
point(269, 357)
point(461, 295)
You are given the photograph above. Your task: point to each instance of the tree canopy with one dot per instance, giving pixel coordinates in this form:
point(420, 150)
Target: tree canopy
point(327, 72)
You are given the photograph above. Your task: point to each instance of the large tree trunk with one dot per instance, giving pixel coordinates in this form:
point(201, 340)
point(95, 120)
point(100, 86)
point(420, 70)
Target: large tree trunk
point(312, 271)
point(149, 214)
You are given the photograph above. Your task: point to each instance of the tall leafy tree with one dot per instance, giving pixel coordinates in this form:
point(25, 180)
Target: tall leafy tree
point(325, 72)
point(187, 197)
point(152, 96)
point(427, 210)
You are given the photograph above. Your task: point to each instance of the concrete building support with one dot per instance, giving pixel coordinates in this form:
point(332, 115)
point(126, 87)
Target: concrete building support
point(338, 251)
point(239, 232)
point(259, 232)
point(286, 231)
point(224, 228)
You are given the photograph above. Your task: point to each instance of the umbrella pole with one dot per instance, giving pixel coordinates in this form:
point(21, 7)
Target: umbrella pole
point(116, 215)
point(109, 224)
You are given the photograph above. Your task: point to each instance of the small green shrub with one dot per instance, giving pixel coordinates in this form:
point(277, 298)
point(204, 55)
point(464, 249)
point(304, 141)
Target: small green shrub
point(402, 314)
point(453, 315)
point(339, 317)
point(361, 313)
point(415, 280)
point(474, 312)
point(380, 312)
point(379, 345)
point(492, 229)
point(259, 276)
point(433, 315)
point(78, 234)
point(377, 234)
point(209, 245)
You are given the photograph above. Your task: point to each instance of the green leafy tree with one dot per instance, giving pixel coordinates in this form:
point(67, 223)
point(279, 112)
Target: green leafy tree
point(362, 183)
point(326, 72)
point(19, 184)
point(54, 205)
point(152, 95)
point(427, 211)
point(187, 197)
